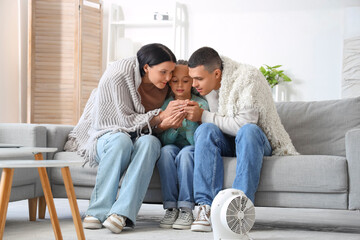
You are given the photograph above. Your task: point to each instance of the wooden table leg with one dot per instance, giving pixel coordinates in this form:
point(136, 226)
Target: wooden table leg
point(65, 171)
point(5, 191)
point(32, 203)
point(49, 198)
point(42, 207)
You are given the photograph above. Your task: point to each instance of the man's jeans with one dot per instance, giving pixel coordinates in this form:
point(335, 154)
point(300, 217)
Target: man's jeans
point(176, 168)
point(116, 153)
point(249, 147)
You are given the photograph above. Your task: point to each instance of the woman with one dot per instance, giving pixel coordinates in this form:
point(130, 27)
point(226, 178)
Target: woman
point(114, 133)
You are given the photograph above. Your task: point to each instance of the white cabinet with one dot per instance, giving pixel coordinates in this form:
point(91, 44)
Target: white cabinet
point(131, 27)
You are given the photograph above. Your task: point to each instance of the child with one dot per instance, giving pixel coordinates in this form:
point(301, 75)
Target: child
point(176, 162)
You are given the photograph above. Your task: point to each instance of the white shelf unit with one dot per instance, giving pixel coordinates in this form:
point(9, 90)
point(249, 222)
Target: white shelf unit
point(122, 44)
point(151, 23)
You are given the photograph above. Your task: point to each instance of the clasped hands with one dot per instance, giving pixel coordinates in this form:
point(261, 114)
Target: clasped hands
point(177, 111)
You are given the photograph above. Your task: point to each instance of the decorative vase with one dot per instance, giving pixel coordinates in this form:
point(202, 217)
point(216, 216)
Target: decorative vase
point(279, 93)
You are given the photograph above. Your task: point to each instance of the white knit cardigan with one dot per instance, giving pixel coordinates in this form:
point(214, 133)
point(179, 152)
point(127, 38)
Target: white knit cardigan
point(115, 106)
point(243, 87)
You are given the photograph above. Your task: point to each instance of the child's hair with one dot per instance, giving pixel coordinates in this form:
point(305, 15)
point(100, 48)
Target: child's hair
point(193, 90)
point(182, 62)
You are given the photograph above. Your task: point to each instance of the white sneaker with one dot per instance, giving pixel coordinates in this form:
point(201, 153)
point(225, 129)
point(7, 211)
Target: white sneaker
point(184, 220)
point(169, 218)
point(202, 222)
point(91, 222)
point(115, 223)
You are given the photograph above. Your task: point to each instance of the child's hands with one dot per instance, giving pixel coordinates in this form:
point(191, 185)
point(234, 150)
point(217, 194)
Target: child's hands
point(173, 121)
point(172, 108)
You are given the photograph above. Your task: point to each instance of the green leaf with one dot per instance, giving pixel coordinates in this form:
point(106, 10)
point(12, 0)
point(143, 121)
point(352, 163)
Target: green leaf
point(273, 74)
point(262, 70)
point(286, 78)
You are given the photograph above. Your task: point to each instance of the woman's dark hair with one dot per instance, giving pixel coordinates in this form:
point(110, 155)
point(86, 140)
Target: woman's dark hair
point(153, 54)
point(207, 57)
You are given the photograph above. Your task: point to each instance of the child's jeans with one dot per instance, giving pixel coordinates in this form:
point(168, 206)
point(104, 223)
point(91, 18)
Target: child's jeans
point(176, 168)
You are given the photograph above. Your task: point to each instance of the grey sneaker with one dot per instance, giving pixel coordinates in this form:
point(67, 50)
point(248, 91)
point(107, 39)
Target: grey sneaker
point(202, 222)
point(115, 223)
point(169, 218)
point(91, 222)
point(184, 220)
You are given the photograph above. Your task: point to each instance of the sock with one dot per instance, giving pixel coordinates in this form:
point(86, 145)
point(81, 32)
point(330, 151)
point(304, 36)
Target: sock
point(185, 209)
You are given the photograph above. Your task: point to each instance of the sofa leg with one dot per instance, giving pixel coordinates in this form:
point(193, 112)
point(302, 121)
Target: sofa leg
point(42, 207)
point(32, 202)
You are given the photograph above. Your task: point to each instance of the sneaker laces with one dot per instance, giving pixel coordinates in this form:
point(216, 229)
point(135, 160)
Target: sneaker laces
point(170, 213)
point(202, 215)
point(185, 215)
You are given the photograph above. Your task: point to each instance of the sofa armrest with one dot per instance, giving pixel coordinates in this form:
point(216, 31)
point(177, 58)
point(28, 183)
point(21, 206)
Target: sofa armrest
point(352, 143)
point(57, 136)
point(30, 135)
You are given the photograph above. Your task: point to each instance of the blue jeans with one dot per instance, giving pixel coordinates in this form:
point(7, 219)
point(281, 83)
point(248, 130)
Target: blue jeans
point(176, 168)
point(249, 146)
point(117, 152)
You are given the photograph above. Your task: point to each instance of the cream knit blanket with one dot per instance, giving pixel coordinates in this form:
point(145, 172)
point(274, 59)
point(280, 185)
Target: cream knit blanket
point(115, 106)
point(243, 87)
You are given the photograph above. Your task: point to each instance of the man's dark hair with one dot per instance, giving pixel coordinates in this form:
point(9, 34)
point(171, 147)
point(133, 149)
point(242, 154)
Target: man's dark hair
point(208, 57)
point(154, 54)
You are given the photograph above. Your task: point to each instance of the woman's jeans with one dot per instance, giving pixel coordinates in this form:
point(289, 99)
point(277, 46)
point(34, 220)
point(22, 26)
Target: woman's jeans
point(176, 168)
point(117, 153)
point(249, 146)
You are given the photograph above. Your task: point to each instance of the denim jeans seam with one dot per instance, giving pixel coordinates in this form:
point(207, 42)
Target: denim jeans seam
point(186, 204)
point(266, 146)
point(217, 141)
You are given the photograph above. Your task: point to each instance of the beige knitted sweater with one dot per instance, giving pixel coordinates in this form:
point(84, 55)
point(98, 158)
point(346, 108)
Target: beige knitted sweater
point(114, 106)
point(244, 87)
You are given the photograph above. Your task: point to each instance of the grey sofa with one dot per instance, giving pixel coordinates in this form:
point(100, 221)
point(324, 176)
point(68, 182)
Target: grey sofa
point(325, 175)
point(26, 182)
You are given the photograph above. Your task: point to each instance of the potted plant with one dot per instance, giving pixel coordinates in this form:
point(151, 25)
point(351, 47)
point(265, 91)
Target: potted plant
point(274, 75)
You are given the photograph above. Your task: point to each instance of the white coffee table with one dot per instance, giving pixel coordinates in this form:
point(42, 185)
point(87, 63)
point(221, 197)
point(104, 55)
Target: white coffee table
point(6, 182)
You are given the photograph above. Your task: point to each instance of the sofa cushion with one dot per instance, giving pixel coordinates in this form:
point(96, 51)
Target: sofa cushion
point(319, 128)
point(86, 176)
point(306, 173)
point(301, 200)
point(30, 135)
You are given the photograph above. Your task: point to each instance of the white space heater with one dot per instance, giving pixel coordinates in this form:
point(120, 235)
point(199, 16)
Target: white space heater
point(232, 215)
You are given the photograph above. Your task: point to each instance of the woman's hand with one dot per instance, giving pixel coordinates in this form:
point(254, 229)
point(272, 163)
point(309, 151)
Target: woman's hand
point(173, 121)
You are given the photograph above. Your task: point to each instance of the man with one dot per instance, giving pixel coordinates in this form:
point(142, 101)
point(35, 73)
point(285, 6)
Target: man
point(242, 122)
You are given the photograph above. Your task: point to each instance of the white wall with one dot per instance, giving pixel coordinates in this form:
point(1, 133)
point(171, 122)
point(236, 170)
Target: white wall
point(305, 36)
point(9, 71)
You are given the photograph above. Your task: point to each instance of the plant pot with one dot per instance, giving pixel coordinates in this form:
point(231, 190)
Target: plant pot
point(279, 93)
